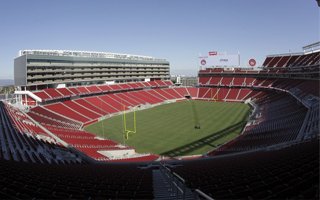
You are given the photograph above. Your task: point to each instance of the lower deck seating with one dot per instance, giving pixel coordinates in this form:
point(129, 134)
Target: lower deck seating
point(93, 181)
point(22, 140)
point(279, 121)
point(287, 173)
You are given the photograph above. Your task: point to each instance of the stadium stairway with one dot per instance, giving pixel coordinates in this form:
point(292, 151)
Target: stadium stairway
point(164, 190)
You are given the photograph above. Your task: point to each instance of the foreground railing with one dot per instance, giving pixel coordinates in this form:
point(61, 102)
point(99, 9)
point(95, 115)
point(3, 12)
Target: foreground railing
point(178, 186)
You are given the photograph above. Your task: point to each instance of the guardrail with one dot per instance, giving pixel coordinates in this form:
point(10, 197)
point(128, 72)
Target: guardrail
point(178, 185)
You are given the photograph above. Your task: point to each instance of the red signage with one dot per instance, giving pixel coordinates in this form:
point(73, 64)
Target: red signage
point(212, 53)
point(252, 62)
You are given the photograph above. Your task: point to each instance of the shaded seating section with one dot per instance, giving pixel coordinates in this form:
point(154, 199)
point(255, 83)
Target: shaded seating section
point(257, 94)
point(286, 173)
point(300, 87)
point(22, 140)
point(60, 93)
point(309, 87)
point(112, 181)
point(286, 84)
point(285, 61)
point(274, 61)
point(264, 82)
point(278, 121)
point(312, 126)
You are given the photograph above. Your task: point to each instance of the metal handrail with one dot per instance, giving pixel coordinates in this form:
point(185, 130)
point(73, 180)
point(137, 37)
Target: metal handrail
point(202, 195)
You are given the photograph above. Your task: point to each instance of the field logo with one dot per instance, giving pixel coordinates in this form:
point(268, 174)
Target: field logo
point(203, 62)
point(252, 62)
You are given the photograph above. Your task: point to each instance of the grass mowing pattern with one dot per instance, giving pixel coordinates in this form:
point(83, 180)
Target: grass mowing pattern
point(169, 129)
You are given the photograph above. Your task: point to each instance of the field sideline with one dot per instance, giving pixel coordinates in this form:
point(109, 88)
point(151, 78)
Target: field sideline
point(169, 129)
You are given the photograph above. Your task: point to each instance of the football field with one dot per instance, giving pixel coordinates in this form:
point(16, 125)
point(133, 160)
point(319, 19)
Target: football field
point(169, 129)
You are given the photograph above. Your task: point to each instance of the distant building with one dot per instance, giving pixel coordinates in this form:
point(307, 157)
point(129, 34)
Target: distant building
point(189, 81)
point(37, 69)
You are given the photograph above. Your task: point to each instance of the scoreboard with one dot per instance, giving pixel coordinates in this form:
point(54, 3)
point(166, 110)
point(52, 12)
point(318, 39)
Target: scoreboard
point(220, 60)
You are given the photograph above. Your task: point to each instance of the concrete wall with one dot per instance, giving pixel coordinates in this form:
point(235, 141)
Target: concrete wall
point(20, 71)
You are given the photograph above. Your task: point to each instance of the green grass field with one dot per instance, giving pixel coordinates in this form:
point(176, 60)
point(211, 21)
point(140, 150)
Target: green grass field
point(169, 129)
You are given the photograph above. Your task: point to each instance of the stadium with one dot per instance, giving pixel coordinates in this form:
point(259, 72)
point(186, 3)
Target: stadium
point(99, 125)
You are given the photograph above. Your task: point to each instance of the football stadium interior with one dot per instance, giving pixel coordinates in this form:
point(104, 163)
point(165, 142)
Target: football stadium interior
point(96, 125)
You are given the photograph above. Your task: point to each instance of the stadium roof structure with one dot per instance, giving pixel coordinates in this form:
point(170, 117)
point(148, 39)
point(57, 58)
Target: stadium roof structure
point(310, 48)
point(314, 47)
point(90, 54)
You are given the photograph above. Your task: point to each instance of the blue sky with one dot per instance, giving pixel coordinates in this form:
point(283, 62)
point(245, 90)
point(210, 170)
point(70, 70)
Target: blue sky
point(172, 29)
